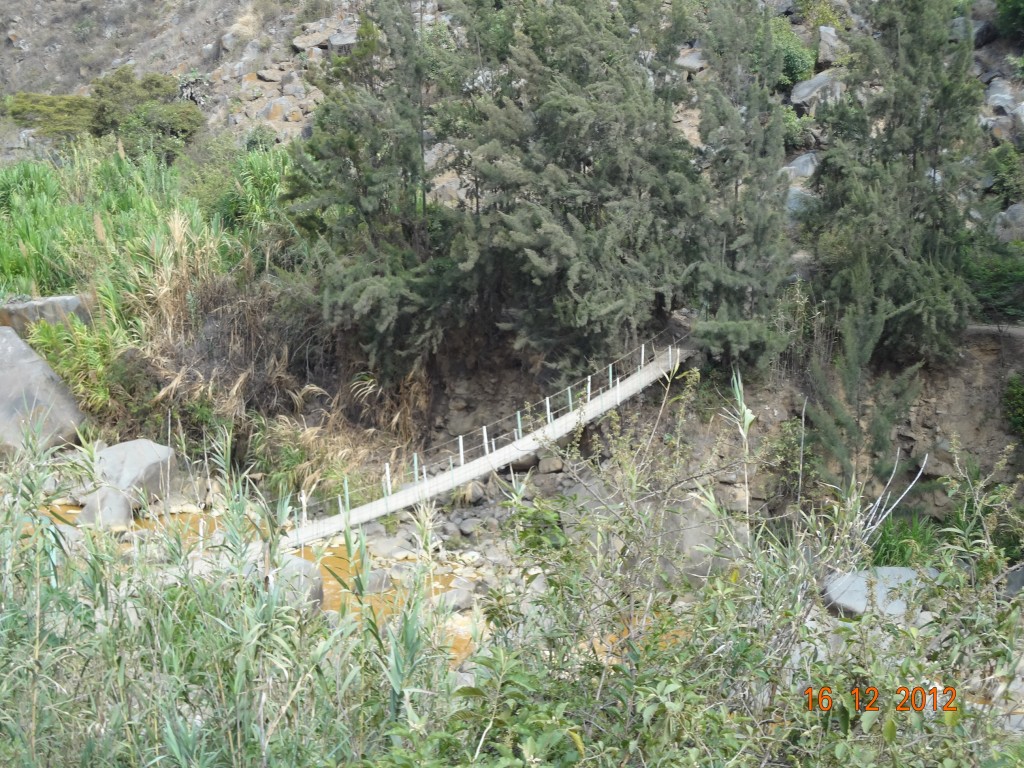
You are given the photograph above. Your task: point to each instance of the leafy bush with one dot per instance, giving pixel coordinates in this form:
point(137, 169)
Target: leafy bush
point(1013, 403)
point(797, 59)
point(53, 116)
point(997, 282)
point(796, 130)
point(1011, 17)
point(1007, 170)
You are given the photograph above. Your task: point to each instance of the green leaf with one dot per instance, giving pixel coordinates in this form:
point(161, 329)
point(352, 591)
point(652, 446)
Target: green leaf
point(889, 731)
point(868, 719)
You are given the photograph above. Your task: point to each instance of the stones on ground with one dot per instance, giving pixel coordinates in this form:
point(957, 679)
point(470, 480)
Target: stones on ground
point(824, 88)
point(55, 310)
point(390, 548)
point(33, 399)
point(883, 589)
point(470, 526)
point(270, 75)
point(525, 463)
point(549, 465)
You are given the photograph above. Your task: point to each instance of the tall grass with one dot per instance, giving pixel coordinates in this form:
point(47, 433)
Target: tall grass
point(601, 654)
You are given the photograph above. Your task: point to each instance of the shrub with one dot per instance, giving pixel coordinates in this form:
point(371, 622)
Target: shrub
point(1007, 170)
point(797, 59)
point(997, 282)
point(1011, 17)
point(796, 130)
point(53, 116)
point(1013, 403)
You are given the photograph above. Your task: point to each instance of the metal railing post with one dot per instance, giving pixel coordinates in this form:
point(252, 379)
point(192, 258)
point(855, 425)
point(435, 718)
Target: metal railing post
point(348, 504)
point(487, 448)
point(588, 389)
point(547, 407)
point(568, 391)
point(462, 453)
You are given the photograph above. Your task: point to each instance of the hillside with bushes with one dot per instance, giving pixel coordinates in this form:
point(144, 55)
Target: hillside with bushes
point(300, 244)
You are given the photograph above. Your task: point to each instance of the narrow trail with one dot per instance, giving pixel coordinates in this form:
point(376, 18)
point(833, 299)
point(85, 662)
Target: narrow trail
point(590, 403)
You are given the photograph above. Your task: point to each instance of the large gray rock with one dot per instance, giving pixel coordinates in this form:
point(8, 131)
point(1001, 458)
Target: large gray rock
point(823, 88)
point(830, 47)
point(1000, 96)
point(1009, 225)
point(298, 580)
point(983, 31)
point(106, 508)
point(32, 397)
point(56, 310)
point(803, 166)
point(883, 589)
point(705, 542)
point(141, 468)
point(692, 60)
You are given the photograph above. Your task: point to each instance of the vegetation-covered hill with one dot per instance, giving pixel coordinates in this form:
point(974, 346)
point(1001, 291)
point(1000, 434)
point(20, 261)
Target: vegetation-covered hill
point(492, 185)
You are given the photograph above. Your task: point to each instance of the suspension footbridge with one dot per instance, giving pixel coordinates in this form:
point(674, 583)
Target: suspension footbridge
point(505, 443)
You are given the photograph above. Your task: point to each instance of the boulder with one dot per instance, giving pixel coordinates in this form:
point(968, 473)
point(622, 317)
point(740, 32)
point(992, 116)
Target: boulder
point(56, 310)
point(823, 88)
point(107, 508)
point(999, 96)
point(140, 468)
point(692, 60)
point(454, 600)
point(524, 464)
point(1009, 225)
point(982, 31)
point(270, 75)
point(883, 589)
point(830, 47)
point(549, 465)
point(33, 398)
point(299, 581)
point(802, 166)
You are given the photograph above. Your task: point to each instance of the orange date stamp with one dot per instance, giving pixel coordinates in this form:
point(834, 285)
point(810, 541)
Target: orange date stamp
point(916, 699)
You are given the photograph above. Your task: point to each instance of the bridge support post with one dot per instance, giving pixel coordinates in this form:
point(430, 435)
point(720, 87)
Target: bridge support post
point(462, 453)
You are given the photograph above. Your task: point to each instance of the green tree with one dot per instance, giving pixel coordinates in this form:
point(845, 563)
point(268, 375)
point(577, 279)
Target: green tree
point(743, 127)
point(893, 186)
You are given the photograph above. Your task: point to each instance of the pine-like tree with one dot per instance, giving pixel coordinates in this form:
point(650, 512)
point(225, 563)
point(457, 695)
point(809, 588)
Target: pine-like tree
point(742, 127)
point(894, 189)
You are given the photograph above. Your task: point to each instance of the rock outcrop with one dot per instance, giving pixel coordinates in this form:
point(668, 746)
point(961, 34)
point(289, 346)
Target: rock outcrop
point(33, 398)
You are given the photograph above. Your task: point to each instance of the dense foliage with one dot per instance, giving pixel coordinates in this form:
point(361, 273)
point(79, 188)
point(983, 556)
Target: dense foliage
point(145, 113)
